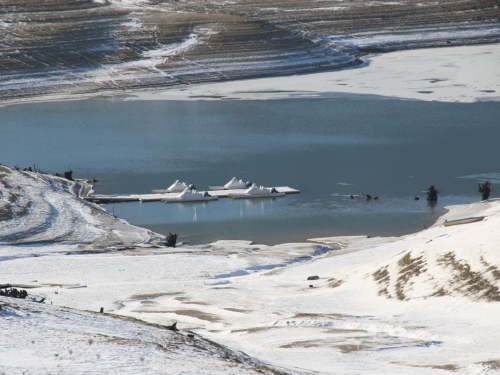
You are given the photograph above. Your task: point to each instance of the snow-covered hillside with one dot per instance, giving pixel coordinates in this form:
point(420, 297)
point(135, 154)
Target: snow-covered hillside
point(42, 209)
point(422, 303)
point(44, 339)
point(458, 262)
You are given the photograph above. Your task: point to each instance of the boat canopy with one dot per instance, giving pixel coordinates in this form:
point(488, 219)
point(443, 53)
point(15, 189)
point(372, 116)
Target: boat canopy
point(177, 187)
point(235, 184)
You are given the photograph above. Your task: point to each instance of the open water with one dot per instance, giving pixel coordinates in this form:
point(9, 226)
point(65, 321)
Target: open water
point(329, 147)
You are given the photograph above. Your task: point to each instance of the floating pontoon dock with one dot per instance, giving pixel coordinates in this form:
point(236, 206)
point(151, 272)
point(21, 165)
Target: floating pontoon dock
point(160, 196)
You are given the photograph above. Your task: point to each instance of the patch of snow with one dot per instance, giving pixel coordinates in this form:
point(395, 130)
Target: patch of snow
point(169, 50)
point(368, 40)
point(453, 74)
point(135, 23)
point(313, 9)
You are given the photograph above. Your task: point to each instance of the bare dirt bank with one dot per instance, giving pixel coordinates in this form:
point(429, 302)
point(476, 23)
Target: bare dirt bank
point(83, 46)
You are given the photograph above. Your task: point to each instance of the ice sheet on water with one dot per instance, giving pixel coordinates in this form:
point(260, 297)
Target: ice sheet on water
point(494, 178)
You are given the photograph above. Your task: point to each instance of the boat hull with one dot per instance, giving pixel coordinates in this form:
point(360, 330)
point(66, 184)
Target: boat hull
point(465, 220)
point(180, 200)
point(247, 196)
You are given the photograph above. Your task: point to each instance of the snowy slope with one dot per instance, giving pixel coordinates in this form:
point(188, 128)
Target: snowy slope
point(458, 262)
point(44, 339)
point(258, 299)
point(45, 210)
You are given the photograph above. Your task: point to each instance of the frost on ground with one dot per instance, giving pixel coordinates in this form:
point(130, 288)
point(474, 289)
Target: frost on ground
point(422, 303)
point(73, 47)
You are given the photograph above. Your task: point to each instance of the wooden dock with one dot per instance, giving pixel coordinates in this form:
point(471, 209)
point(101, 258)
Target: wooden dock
point(156, 197)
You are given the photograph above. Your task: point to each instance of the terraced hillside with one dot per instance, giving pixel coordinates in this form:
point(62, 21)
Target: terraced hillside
point(51, 47)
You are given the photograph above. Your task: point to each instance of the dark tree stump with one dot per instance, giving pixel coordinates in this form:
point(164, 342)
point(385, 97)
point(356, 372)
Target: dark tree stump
point(485, 190)
point(432, 194)
point(171, 239)
point(68, 175)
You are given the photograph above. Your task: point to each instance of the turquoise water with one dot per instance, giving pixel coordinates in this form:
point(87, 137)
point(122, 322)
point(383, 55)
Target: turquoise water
point(328, 147)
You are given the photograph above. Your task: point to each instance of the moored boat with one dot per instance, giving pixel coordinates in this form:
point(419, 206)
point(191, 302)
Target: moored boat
point(190, 196)
point(464, 220)
point(233, 184)
point(177, 187)
point(257, 192)
point(236, 184)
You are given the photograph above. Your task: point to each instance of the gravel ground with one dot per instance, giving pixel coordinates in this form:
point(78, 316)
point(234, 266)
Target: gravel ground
point(50, 47)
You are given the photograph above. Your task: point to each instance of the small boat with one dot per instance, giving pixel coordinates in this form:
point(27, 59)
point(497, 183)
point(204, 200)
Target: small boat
point(190, 196)
point(235, 184)
point(465, 220)
point(257, 192)
point(177, 187)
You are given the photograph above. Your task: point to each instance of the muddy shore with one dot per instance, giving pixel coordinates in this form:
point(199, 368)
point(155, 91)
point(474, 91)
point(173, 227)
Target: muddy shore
point(76, 47)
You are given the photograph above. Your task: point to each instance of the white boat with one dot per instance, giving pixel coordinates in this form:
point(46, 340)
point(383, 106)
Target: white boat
point(191, 196)
point(177, 187)
point(465, 220)
point(235, 184)
point(257, 192)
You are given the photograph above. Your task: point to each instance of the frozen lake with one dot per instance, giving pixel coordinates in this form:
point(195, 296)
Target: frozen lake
point(329, 147)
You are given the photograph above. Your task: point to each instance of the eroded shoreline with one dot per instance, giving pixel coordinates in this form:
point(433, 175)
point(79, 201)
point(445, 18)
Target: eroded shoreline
point(131, 45)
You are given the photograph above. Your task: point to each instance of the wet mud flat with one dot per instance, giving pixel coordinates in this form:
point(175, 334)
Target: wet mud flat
point(51, 48)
